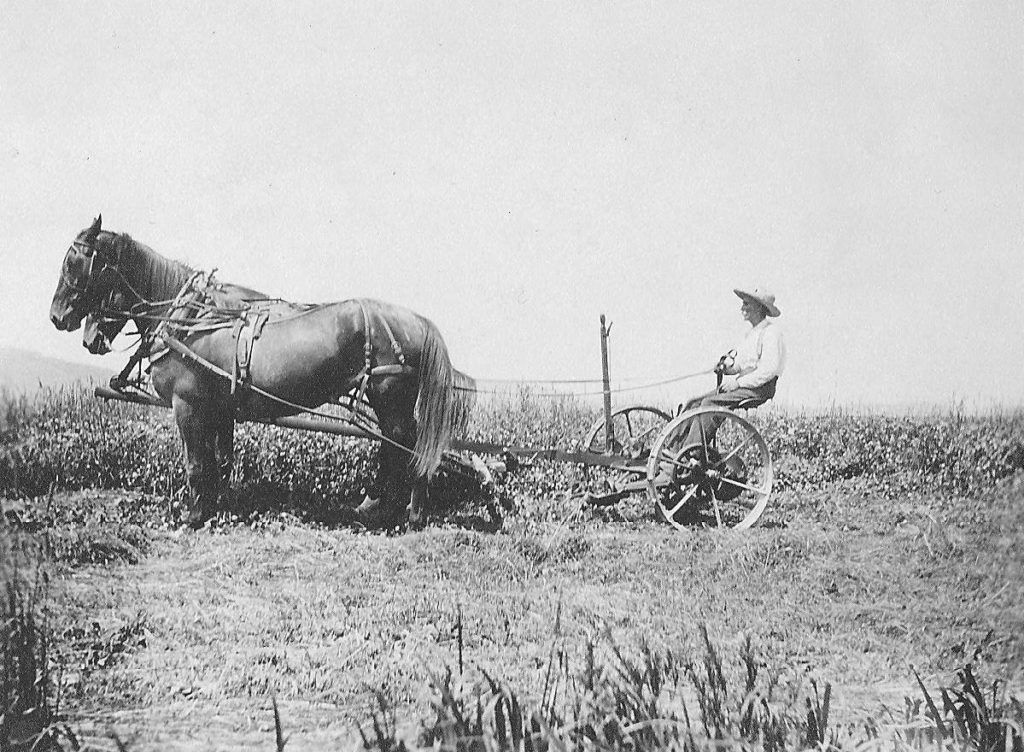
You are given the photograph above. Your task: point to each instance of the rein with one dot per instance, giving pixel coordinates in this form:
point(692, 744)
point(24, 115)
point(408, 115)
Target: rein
point(585, 393)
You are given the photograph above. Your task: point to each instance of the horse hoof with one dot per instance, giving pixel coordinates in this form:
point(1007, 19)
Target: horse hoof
point(196, 520)
point(369, 505)
point(375, 514)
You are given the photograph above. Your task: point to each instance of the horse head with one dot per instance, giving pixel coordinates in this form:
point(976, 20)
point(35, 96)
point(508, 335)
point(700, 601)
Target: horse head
point(87, 277)
point(104, 324)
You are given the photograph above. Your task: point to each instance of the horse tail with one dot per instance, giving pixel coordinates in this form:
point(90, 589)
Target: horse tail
point(443, 403)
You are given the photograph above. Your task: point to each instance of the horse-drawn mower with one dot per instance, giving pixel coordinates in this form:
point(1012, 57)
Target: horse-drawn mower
point(221, 353)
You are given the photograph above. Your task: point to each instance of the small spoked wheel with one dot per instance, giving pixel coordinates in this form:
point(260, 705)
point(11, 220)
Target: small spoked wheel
point(634, 431)
point(710, 467)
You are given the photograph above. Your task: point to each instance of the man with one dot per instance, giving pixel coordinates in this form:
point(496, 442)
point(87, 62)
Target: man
point(750, 371)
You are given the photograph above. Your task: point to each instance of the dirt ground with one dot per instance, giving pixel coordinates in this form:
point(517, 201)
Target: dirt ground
point(187, 647)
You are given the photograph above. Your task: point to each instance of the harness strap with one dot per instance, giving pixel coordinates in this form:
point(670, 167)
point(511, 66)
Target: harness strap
point(187, 354)
point(393, 369)
point(364, 382)
point(394, 342)
point(236, 334)
point(247, 330)
point(370, 370)
point(179, 301)
point(248, 327)
point(134, 360)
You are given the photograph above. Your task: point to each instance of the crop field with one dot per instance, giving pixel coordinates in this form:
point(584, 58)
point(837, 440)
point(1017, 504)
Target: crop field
point(879, 601)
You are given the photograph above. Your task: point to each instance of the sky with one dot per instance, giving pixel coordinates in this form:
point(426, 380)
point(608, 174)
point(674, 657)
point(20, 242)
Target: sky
point(513, 170)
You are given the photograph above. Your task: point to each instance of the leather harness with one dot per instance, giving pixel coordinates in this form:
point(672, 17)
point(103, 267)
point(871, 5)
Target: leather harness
point(247, 326)
point(246, 330)
point(369, 369)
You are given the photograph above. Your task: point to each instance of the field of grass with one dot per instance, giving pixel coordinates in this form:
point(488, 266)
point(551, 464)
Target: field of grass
point(891, 551)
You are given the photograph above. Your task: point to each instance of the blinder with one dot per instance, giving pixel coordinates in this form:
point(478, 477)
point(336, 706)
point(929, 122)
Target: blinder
point(99, 283)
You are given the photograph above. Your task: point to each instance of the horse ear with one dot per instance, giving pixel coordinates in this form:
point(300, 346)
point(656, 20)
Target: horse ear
point(94, 229)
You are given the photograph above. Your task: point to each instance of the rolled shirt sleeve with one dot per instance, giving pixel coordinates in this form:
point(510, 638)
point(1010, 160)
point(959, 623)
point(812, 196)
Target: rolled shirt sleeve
point(770, 362)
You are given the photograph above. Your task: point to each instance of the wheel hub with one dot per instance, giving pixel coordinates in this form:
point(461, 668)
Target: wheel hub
point(707, 471)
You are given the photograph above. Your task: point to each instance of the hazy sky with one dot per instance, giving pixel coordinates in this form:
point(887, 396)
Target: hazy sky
point(512, 170)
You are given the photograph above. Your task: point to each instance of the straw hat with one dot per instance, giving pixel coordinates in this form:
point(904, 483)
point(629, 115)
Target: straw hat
point(760, 295)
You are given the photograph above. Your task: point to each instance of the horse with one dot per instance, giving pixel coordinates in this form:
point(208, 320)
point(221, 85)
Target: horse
point(297, 358)
point(101, 329)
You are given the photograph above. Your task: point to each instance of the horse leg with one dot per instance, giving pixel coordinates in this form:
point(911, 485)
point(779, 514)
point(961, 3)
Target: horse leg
point(224, 451)
point(417, 501)
point(394, 408)
point(199, 460)
point(401, 482)
point(383, 509)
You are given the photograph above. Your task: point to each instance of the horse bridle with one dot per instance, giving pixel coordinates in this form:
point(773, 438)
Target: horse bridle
point(93, 291)
point(92, 275)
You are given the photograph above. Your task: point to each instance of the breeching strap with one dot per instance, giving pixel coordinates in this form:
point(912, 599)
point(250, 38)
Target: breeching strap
point(369, 369)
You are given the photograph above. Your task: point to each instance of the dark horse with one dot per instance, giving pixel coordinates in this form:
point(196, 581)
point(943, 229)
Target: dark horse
point(296, 357)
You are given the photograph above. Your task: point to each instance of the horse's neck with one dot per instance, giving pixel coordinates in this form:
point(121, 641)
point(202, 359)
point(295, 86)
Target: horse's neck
point(155, 282)
point(155, 278)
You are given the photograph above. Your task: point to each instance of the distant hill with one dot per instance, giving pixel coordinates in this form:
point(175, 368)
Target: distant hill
point(27, 371)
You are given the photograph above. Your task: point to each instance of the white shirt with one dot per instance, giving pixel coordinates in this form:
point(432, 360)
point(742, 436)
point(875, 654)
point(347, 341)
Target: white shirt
point(760, 357)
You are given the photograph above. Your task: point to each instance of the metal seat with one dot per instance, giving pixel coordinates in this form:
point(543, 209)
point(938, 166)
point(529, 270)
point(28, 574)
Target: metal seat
point(747, 404)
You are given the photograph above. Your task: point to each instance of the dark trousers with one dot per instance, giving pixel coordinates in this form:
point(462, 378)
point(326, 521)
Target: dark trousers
point(744, 396)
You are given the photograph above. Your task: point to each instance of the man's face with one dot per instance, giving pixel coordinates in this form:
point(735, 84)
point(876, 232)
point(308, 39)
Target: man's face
point(751, 311)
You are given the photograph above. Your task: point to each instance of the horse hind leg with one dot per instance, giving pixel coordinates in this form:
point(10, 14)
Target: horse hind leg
point(417, 501)
point(380, 508)
point(394, 402)
point(408, 482)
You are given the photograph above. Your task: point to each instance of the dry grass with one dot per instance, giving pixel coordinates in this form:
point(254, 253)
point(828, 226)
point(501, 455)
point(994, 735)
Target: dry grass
point(210, 627)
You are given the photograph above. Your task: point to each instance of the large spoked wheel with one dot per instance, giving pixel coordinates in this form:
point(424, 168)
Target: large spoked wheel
point(710, 467)
point(634, 431)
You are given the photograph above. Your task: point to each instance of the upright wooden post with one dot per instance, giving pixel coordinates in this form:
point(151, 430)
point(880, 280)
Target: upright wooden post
point(607, 387)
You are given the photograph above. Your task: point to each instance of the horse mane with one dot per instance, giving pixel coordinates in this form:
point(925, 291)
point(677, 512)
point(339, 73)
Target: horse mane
point(154, 276)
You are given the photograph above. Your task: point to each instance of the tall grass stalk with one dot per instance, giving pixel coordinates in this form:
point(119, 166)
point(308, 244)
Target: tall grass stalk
point(29, 711)
point(620, 701)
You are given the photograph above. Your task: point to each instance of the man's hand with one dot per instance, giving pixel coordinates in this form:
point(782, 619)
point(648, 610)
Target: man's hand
point(730, 384)
point(726, 362)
